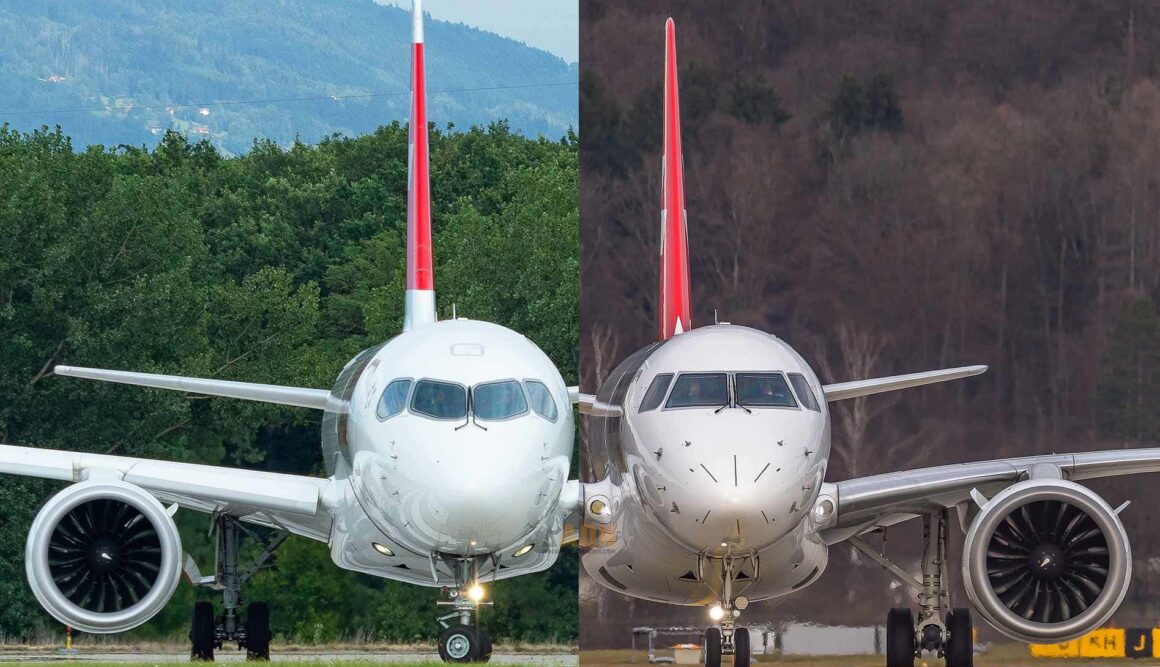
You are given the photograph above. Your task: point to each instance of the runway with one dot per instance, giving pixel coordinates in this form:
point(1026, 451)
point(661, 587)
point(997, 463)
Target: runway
point(335, 657)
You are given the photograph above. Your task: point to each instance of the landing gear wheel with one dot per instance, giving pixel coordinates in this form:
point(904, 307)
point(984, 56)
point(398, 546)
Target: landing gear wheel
point(713, 647)
point(485, 647)
point(258, 631)
point(741, 652)
point(460, 643)
point(900, 638)
point(960, 644)
point(202, 632)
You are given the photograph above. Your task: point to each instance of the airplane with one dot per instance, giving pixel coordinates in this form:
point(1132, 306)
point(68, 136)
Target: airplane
point(708, 450)
point(448, 449)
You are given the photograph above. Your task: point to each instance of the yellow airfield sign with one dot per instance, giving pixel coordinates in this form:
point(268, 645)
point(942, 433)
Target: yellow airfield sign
point(1105, 643)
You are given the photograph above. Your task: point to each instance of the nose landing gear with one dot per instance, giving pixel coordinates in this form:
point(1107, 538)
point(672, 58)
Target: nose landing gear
point(906, 639)
point(462, 641)
point(726, 638)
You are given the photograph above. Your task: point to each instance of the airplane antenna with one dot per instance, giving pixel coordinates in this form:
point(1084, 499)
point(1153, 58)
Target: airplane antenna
point(715, 320)
point(453, 311)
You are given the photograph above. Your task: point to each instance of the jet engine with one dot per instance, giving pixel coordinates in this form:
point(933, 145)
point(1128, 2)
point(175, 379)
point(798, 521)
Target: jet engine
point(103, 556)
point(1046, 560)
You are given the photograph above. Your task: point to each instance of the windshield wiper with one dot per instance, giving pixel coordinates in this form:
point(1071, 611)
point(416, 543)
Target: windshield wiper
point(470, 417)
point(738, 404)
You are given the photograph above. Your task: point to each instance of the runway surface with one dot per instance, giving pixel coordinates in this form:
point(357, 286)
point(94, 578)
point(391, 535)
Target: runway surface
point(564, 659)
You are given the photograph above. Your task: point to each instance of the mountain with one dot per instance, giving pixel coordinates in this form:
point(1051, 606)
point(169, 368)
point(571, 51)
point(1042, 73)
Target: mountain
point(235, 70)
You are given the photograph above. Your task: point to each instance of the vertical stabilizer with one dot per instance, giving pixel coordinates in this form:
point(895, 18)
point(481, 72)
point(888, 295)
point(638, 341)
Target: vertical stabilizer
point(420, 295)
point(674, 306)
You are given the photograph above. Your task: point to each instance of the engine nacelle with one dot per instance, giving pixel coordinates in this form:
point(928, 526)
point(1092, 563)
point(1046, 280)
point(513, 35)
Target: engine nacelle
point(103, 556)
point(1046, 561)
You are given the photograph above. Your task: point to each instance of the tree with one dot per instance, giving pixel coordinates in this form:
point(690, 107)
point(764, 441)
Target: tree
point(1129, 386)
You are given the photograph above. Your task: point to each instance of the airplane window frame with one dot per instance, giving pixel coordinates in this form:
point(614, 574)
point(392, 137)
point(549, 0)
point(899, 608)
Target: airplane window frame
point(406, 399)
point(475, 402)
point(415, 392)
point(700, 406)
point(664, 393)
point(555, 416)
point(781, 374)
point(809, 391)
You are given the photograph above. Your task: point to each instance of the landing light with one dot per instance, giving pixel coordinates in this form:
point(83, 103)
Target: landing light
point(476, 593)
point(523, 551)
point(716, 612)
point(383, 549)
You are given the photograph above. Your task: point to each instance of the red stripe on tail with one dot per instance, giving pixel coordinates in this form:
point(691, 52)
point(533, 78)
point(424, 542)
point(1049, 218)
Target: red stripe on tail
point(675, 303)
point(420, 268)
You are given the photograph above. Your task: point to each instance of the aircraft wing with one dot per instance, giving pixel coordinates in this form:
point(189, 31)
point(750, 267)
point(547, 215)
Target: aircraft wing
point(291, 501)
point(250, 391)
point(867, 503)
point(844, 390)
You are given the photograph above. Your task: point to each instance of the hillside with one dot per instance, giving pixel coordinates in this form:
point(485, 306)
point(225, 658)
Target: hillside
point(59, 57)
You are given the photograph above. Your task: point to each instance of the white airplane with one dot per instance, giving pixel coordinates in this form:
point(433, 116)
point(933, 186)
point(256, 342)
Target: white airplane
point(448, 449)
point(708, 452)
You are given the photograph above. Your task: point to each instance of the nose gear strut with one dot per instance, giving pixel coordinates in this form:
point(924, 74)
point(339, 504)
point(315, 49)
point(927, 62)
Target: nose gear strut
point(462, 641)
point(727, 638)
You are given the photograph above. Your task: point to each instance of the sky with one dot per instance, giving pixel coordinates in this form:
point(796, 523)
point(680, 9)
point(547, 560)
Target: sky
point(551, 25)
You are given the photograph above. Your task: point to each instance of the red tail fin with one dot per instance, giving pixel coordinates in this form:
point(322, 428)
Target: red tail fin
point(675, 303)
point(420, 295)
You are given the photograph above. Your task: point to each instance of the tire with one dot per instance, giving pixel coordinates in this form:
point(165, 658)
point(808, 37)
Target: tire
point(713, 647)
point(460, 643)
point(202, 632)
point(900, 638)
point(258, 631)
point(960, 647)
point(485, 647)
point(741, 652)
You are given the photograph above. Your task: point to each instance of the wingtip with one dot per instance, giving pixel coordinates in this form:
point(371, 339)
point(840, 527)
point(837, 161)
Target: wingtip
point(978, 369)
point(61, 370)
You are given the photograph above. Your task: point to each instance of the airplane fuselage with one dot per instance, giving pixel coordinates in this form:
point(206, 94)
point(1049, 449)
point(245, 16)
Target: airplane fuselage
point(712, 442)
point(455, 438)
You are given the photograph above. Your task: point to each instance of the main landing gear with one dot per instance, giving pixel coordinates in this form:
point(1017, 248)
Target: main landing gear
point(726, 638)
point(462, 641)
point(950, 637)
point(251, 632)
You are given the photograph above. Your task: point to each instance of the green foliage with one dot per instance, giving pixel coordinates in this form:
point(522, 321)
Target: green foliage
point(755, 102)
point(275, 266)
point(1129, 386)
point(870, 105)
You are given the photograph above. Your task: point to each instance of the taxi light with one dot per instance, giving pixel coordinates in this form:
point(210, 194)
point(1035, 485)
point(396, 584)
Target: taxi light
point(383, 549)
point(523, 551)
point(716, 612)
point(476, 593)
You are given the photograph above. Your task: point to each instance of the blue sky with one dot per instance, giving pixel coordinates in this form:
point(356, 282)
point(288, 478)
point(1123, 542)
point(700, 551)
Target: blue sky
point(551, 25)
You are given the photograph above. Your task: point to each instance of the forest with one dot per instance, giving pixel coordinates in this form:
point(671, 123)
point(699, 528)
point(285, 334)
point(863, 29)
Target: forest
point(892, 188)
point(274, 266)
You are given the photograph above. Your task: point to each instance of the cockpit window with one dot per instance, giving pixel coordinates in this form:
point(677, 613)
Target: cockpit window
point(394, 399)
point(763, 390)
point(802, 388)
point(656, 392)
point(541, 400)
point(498, 400)
point(439, 400)
point(699, 390)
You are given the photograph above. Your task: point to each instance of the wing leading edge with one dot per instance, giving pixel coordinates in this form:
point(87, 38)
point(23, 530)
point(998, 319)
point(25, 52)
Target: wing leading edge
point(844, 390)
point(865, 503)
point(266, 393)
